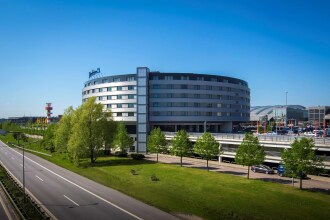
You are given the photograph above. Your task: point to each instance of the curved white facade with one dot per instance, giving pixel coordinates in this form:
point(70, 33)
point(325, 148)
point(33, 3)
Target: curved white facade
point(172, 101)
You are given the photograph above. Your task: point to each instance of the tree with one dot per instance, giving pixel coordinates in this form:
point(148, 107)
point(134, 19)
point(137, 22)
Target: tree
point(156, 142)
point(250, 152)
point(110, 128)
point(48, 140)
point(87, 130)
point(207, 147)
point(300, 159)
point(122, 139)
point(63, 131)
point(181, 145)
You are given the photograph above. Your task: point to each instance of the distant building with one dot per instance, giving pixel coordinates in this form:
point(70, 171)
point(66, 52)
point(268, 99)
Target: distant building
point(283, 115)
point(319, 116)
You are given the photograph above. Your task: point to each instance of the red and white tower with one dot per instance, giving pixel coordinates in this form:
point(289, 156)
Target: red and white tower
point(49, 109)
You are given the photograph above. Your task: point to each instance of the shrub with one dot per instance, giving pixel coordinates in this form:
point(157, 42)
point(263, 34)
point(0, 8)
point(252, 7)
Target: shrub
point(137, 156)
point(154, 177)
point(121, 154)
point(133, 172)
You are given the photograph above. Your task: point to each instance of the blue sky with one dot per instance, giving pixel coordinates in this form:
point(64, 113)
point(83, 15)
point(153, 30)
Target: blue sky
point(47, 47)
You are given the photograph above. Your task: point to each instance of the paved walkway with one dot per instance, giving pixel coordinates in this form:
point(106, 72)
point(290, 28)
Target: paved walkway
point(316, 183)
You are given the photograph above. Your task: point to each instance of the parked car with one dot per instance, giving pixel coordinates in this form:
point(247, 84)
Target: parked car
point(281, 172)
point(271, 133)
point(262, 169)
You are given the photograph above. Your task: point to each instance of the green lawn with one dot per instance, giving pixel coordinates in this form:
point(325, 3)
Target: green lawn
point(209, 195)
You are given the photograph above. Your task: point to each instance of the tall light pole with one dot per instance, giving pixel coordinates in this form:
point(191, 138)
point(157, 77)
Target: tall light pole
point(286, 107)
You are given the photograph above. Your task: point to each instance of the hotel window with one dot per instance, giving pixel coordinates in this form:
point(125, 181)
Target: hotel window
point(100, 89)
point(168, 77)
point(108, 105)
point(109, 89)
point(130, 87)
point(184, 87)
point(169, 86)
point(184, 113)
point(131, 96)
point(155, 86)
point(196, 96)
point(119, 97)
point(130, 114)
point(156, 113)
point(200, 78)
point(184, 78)
point(119, 88)
point(116, 79)
point(130, 105)
point(169, 95)
point(196, 104)
point(155, 104)
point(197, 87)
point(131, 78)
point(219, 114)
point(119, 114)
point(169, 104)
point(119, 105)
point(99, 98)
point(93, 90)
point(209, 105)
point(104, 80)
point(208, 113)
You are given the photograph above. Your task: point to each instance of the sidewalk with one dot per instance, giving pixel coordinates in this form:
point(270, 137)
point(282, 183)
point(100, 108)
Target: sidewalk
point(316, 183)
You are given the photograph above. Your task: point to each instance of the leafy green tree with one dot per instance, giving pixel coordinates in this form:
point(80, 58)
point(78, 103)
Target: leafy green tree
point(250, 152)
point(48, 140)
point(110, 129)
point(300, 159)
point(181, 145)
point(122, 139)
point(207, 147)
point(88, 130)
point(63, 131)
point(157, 142)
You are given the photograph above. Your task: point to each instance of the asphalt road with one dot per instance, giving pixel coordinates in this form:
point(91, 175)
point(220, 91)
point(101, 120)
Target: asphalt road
point(70, 196)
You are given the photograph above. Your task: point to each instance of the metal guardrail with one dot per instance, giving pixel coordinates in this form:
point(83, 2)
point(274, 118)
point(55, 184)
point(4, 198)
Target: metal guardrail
point(19, 208)
point(285, 139)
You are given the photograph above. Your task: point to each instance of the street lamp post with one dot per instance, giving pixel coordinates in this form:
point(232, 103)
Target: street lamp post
point(286, 107)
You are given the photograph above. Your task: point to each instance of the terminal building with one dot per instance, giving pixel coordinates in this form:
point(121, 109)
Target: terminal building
point(319, 116)
point(171, 101)
point(282, 115)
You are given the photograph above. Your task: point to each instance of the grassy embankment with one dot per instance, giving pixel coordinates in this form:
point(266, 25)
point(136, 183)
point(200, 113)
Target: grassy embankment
point(209, 195)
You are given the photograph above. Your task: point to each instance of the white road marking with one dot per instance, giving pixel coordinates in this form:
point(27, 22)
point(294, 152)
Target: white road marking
point(71, 200)
point(39, 178)
point(80, 187)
